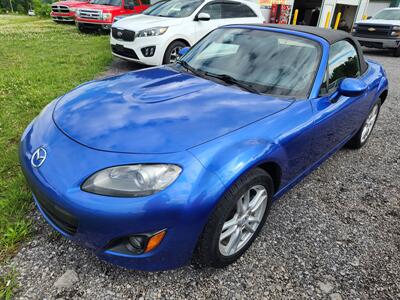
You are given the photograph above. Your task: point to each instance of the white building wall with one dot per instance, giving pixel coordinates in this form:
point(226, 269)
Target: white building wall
point(375, 6)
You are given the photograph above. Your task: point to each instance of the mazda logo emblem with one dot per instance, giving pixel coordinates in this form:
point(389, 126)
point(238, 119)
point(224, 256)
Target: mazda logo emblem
point(38, 157)
point(119, 33)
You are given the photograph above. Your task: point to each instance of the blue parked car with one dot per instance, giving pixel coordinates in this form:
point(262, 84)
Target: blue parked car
point(176, 164)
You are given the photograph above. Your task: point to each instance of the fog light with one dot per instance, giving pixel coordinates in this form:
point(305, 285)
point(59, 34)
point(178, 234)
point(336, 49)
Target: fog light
point(136, 243)
point(148, 51)
point(143, 243)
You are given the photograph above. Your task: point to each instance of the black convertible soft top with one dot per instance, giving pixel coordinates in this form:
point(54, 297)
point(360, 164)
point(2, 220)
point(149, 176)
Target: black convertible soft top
point(330, 35)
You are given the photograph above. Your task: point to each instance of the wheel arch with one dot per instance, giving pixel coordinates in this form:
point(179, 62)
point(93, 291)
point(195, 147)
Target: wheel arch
point(383, 95)
point(275, 171)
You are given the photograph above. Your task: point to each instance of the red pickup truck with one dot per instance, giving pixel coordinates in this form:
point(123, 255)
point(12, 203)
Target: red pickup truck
point(100, 14)
point(64, 11)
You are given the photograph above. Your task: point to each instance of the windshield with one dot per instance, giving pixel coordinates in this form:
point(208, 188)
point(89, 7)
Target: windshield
point(173, 8)
point(264, 61)
point(388, 14)
point(107, 2)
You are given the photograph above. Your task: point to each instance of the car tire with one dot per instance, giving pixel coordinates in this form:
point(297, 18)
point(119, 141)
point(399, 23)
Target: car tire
point(362, 136)
point(173, 51)
point(396, 52)
point(211, 250)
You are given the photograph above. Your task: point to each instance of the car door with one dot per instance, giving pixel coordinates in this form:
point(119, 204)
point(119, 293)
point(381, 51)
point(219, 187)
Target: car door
point(203, 27)
point(337, 117)
point(237, 13)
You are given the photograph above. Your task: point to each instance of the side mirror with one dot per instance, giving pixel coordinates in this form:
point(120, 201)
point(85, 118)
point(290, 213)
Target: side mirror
point(203, 17)
point(352, 87)
point(183, 51)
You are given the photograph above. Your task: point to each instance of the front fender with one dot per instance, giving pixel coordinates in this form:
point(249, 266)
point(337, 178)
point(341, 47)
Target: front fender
point(229, 159)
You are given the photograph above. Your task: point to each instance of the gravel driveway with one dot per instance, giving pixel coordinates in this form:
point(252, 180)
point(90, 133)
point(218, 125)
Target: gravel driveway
point(334, 236)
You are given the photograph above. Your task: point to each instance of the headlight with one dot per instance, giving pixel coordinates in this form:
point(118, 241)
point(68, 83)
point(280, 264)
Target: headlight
point(132, 180)
point(107, 16)
point(152, 31)
point(396, 28)
point(73, 9)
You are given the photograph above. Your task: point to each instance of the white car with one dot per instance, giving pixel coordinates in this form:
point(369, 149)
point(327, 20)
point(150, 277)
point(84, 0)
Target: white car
point(156, 36)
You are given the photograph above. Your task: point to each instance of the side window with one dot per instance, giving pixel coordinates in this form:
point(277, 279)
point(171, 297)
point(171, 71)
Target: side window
point(213, 9)
point(236, 10)
point(343, 63)
point(246, 11)
point(230, 10)
point(132, 2)
point(146, 2)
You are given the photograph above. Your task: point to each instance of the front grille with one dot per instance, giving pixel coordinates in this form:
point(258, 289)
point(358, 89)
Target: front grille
point(371, 44)
point(126, 52)
point(60, 9)
point(373, 31)
point(61, 218)
point(123, 34)
point(90, 14)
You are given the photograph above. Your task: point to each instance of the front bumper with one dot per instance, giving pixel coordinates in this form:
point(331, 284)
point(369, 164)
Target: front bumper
point(132, 51)
point(378, 42)
point(61, 17)
point(93, 24)
point(94, 221)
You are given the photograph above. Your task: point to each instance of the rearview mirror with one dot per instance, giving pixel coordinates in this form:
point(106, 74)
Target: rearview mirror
point(203, 17)
point(183, 51)
point(352, 87)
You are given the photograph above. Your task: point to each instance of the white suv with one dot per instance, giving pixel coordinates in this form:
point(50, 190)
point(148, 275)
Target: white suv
point(156, 36)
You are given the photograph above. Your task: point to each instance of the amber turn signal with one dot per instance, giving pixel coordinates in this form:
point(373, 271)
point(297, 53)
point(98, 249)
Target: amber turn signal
point(154, 241)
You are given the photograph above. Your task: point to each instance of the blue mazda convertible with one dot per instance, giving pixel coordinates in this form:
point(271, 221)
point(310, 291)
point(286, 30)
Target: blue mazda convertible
point(180, 164)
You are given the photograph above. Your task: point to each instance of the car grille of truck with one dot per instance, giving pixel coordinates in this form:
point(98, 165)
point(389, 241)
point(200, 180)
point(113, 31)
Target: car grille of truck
point(90, 14)
point(60, 9)
point(126, 52)
point(123, 34)
point(373, 31)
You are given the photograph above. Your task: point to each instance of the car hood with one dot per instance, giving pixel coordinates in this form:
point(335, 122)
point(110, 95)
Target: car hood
point(379, 22)
point(70, 3)
point(103, 8)
point(140, 22)
point(157, 110)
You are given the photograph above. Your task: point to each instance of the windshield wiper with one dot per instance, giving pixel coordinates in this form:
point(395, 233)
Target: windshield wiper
point(189, 68)
point(231, 80)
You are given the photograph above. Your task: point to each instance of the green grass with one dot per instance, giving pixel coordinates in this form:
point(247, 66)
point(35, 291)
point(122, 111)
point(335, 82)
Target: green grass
point(39, 61)
point(8, 284)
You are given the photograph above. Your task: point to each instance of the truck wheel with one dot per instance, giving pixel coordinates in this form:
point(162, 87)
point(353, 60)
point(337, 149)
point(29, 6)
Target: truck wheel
point(82, 28)
point(397, 52)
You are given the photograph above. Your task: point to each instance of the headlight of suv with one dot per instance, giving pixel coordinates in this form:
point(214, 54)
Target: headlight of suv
point(152, 31)
point(395, 31)
point(132, 180)
point(73, 9)
point(106, 16)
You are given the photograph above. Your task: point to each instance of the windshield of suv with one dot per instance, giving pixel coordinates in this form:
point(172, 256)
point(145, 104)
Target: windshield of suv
point(174, 8)
point(107, 2)
point(256, 60)
point(388, 14)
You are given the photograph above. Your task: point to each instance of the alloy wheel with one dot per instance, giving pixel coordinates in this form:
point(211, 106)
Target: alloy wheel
point(174, 55)
point(243, 221)
point(369, 123)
